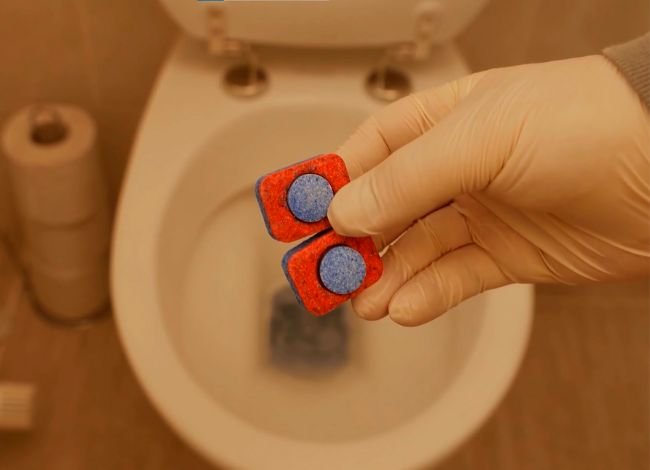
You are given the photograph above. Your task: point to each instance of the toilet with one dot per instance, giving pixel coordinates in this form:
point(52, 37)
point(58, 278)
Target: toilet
point(205, 315)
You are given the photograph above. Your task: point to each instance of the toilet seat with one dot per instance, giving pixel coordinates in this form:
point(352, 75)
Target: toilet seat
point(329, 23)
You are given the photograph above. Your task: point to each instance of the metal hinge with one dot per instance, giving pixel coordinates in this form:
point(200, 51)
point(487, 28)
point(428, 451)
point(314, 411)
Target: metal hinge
point(387, 82)
point(246, 78)
point(426, 24)
point(219, 44)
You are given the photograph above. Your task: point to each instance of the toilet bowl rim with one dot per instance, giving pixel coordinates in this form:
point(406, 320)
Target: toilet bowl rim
point(193, 413)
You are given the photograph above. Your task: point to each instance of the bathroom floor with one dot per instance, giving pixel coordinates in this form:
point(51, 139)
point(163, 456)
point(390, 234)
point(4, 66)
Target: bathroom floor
point(580, 400)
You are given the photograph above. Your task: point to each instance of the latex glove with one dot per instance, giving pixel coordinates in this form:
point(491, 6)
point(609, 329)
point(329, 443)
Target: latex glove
point(534, 173)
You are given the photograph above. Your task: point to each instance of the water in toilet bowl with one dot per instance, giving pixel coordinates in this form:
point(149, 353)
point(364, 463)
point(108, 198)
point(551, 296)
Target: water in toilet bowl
point(302, 343)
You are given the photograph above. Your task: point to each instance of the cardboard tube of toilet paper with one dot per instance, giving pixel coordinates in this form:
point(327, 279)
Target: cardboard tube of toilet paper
point(56, 176)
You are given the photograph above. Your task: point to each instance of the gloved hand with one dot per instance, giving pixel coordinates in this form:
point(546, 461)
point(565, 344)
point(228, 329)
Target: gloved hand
point(534, 173)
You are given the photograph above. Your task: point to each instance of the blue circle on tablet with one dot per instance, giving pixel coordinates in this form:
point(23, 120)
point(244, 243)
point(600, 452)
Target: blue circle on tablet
point(309, 197)
point(342, 270)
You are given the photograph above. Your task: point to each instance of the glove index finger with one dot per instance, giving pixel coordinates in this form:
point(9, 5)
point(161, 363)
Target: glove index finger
point(383, 189)
point(399, 123)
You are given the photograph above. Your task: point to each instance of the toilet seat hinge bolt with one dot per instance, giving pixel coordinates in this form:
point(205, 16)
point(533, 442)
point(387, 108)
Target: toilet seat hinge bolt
point(426, 25)
point(387, 82)
point(219, 43)
point(246, 78)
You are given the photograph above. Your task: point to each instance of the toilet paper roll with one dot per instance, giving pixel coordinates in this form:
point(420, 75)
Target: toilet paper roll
point(69, 294)
point(53, 164)
point(68, 247)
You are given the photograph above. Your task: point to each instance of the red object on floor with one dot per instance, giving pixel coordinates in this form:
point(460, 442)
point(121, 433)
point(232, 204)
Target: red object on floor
point(301, 266)
point(271, 191)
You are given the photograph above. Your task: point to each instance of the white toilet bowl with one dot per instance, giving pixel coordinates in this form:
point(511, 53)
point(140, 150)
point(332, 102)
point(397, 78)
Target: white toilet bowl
point(196, 282)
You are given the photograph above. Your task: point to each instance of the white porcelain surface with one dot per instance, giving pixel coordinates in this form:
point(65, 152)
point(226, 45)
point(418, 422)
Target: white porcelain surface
point(331, 23)
point(194, 269)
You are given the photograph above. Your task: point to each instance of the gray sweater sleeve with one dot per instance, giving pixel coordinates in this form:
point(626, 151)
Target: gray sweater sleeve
point(633, 60)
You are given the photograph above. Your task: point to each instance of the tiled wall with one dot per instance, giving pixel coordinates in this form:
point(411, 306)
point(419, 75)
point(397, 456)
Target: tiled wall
point(103, 54)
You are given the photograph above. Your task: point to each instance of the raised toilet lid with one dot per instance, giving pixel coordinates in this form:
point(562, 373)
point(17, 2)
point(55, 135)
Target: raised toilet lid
point(326, 23)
